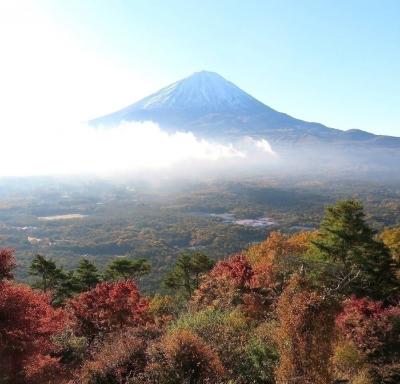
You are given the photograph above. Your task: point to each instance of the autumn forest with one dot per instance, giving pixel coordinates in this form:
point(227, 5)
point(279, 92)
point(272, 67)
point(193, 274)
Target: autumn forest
point(310, 307)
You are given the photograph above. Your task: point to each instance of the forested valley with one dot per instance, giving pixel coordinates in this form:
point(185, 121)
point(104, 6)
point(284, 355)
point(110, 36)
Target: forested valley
point(103, 220)
point(318, 305)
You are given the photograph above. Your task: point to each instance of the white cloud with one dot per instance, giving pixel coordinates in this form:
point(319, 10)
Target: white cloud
point(265, 146)
point(57, 149)
point(73, 149)
point(49, 79)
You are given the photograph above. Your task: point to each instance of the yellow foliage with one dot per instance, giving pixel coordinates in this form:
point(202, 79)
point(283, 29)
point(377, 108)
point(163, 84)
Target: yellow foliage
point(364, 377)
point(162, 308)
point(347, 360)
point(391, 238)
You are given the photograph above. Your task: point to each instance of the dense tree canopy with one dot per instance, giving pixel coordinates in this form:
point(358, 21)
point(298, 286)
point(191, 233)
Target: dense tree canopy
point(305, 308)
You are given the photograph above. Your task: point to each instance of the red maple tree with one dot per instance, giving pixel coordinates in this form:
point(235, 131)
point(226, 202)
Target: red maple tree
point(237, 269)
point(27, 324)
point(108, 307)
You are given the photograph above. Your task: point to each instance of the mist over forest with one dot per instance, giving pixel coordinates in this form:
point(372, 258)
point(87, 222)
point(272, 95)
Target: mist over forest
point(199, 192)
point(133, 254)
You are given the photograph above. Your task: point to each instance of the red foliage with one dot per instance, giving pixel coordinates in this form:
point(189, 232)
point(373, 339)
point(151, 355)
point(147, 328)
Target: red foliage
point(27, 323)
point(237, 269)
point(243, 275)
point(7, 263)
point(235, 282)
point(108, 307)
point(369, 325)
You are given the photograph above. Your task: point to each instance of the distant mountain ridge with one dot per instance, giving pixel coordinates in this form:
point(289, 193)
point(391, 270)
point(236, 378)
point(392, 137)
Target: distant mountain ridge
point(210, 106)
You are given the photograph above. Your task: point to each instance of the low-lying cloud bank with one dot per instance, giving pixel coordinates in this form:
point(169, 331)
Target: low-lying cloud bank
point(57, 149)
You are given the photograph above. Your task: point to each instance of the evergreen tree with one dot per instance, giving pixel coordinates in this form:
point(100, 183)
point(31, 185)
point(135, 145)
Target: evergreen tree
point(200, 264)
point(87, 275)
point(47, 272)
point(346, 240)
point(52, 278)
point(186, 273)
point(124, 269)
point(67, 285)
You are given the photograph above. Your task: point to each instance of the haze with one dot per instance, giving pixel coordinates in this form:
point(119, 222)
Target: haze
point(64, 63)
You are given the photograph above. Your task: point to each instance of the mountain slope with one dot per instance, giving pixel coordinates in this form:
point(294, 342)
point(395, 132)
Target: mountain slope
point(210, 106)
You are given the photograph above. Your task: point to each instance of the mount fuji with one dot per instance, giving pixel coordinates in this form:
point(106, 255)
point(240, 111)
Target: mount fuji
point(212, 107)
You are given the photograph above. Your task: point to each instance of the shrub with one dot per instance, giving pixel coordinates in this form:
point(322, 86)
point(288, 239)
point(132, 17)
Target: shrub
point(163, 308)
point(258, 361)
point(373, 328)
point(70, 348)
point(347, 360)
point(183, 357)
point(118, 358)
point(248, 355)
point(227, 331)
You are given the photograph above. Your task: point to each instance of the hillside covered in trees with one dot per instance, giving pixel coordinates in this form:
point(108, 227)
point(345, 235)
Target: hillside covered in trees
point(102, 221)
point(314, 307)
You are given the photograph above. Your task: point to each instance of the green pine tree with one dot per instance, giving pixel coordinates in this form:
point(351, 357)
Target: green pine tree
point(185, 275)
point(87, 275)
point(346, 241)
point(124, 269)
point(46, 271)
point(52, 278)
point(67, 286)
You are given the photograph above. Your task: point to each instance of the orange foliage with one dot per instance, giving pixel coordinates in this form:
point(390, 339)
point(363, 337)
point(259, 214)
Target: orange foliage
point(275, 259)
point(305, 335)
point(215, 292)
point(278, 246)
point(163, 309)
point(391, 238)
point(183, 357)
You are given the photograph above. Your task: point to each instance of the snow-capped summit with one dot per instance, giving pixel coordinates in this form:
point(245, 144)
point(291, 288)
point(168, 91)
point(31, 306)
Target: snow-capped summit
point(210, 106)
point(201, 91)
point(204, 102)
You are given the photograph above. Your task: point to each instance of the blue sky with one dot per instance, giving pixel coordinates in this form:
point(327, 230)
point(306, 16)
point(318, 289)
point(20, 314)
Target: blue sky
point(335, 62)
